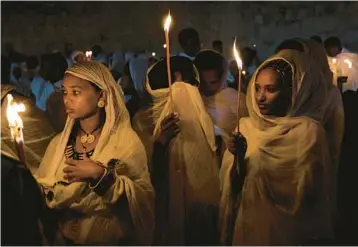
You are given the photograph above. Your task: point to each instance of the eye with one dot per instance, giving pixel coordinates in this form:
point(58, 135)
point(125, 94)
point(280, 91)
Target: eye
point(75, 92)
point(257, 88)
point(271, 89)
point(63, 91)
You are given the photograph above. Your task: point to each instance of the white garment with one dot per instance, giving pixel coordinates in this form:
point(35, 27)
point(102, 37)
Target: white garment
point(42, 91)
point(138, 67)
point(183, 54)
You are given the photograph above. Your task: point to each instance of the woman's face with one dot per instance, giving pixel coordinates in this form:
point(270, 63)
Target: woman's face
point(271, 97)
point(80, 58)
point(211, 82)
point(80, 97)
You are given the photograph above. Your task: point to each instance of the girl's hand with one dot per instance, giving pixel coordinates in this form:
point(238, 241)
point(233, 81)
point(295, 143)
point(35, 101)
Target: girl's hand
point(169, 129)
point(82, 170)
point(237, 144)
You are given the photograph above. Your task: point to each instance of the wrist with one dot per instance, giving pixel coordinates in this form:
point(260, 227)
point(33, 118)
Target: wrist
point(98, 173)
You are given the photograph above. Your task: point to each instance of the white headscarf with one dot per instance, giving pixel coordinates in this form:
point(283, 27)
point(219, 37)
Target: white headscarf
point(288, 166)
point(118, 61)
point(74, 54)
point(117, 141)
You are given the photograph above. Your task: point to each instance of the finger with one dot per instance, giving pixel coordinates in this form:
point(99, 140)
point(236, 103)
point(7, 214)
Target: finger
point(170, 123)
point(167, 118)
point(71, 162)
point(69, 169)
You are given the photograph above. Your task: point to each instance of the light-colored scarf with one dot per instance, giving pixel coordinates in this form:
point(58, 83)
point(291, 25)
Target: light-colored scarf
point(192, 151)
point(117, 141)
point(37, 130)
point(286, 197)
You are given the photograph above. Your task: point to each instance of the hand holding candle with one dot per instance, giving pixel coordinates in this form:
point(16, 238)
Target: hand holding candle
point(239, 65)
point(16, 125)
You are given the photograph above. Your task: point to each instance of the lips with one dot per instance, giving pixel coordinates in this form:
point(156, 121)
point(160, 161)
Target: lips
point(261, 106)
point(69, 111)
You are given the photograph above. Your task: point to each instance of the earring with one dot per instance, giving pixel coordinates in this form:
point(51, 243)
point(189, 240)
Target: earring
point(100, 104)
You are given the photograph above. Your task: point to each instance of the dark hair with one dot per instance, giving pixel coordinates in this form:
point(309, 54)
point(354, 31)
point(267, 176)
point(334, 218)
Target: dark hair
point(158, 77)
point(5, 70)
point(186, 35)
point(53, 67)
point(32, 62)
point(96, 50)
point(317, 38)
point(290, 44)
point(210, 60)
point(332, 42)
point(217, 42)
point(283, 69)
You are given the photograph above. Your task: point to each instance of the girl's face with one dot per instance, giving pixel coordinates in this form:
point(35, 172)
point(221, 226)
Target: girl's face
point(80, 97)
point(271, 97)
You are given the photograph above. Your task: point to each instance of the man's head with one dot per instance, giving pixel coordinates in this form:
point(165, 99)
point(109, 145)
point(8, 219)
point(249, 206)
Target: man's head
point(96, 50)
point(32, 62)
point(333, 46)
point(189, 41)
point(218, 46)
point(68, 49)
point(211, 66)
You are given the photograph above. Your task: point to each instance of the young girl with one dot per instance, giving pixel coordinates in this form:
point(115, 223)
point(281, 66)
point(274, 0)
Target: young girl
point(280, 191)
point(95, 171)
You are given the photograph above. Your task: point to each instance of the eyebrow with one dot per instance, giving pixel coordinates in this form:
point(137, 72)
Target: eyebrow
point(74, 87)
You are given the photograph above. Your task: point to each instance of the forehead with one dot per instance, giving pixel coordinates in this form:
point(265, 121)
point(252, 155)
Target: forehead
point(209, 73)
point(74, 81)
point(267, 75)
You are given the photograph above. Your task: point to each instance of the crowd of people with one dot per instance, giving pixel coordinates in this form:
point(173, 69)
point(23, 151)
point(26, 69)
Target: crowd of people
point(115, 155)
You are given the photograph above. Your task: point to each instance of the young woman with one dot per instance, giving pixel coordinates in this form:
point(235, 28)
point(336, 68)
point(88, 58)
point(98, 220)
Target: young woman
point(179, 137)
point(95, 171)
point(279, 193)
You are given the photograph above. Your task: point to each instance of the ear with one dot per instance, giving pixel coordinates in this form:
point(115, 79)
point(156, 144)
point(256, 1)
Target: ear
point(102, 96)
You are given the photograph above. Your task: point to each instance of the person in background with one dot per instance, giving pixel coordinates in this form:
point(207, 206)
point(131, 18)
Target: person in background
point(37, 131)
point(55, 109)
point(68, 51)
point(333, 46)
point(152, 61)
point(77, 57)
point(189, 41)
point(99, 55)
point(131, 96)
point(219, 100)
point(178, 135)
point(117, 64)
point(218, 46)
point(95, 171)
point(276, 174)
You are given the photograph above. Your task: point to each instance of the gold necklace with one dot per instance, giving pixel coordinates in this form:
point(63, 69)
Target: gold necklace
point(88, 137)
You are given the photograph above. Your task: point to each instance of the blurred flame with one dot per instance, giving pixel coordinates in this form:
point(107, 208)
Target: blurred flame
point(88, 54)
point(237, 56)
point(13, 117)
point(348, 62)
point(243, 72)
point(167, 22)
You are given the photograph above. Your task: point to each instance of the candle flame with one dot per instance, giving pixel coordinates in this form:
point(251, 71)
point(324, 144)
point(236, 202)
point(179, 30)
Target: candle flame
point(88, 54)
point(13, 117)
point(237, 56)
point(348, 62)
point(167, 23)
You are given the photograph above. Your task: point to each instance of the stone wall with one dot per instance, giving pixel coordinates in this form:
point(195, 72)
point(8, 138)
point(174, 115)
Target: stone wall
point(34, 27)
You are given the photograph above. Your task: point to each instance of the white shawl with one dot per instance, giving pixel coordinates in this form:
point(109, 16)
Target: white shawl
point(117, 141)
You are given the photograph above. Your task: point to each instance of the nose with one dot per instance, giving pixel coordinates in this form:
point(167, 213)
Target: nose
point(261, 96)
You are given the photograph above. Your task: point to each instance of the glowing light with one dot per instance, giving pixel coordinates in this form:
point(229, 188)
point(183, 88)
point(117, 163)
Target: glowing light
point(14, 119)
point(165, 46)
point(153, 54)
point(237, 56)
point(348, 62)
point(167, 22)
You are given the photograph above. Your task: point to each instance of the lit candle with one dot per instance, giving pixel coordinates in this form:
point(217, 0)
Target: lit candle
point(16, 126)
point(89, 55)
point(239, 65)
point(166, 30)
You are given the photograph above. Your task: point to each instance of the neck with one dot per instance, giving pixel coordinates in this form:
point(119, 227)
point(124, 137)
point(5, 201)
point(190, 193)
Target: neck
point(89, 124)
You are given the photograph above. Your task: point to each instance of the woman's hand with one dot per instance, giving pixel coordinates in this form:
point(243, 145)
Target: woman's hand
point(81, 170)
point(237, 144)
point(169, 129)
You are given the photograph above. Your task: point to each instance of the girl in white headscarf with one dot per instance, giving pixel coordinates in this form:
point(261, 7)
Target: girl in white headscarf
point(77, 56)
point(280, 191)
point(184, 169)
point(95, 171)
